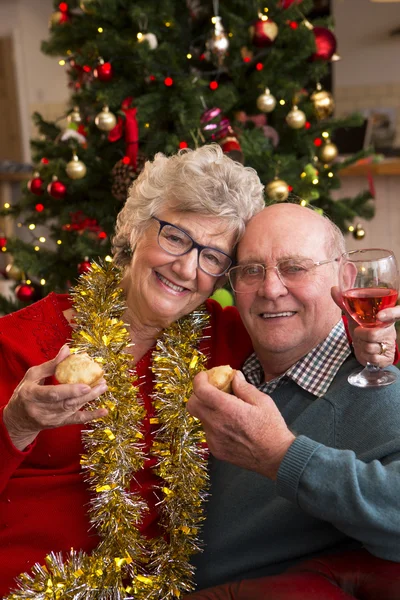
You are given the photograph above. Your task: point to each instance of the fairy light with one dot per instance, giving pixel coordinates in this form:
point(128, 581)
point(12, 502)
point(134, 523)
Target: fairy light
point(230, 34)
point(19, 224)
point(282, 102)
point(61, 62)
point(139, 35)
point(100, 29)
point(42, 239)
point(330, 174)
point(7, 205)
point(32, 226)
point(325, 134)
point(147, 125)
point(108, 258)
point(351, 228)
point(167, 24)
point(28, 282)
point(189, 56)
point(59, 242)
point(42, 282)
point(266, 9)
point(303, 203)
point(315, 181)
point(37, 248)
point(303, 174)
point(213, 20)
point(4, 249)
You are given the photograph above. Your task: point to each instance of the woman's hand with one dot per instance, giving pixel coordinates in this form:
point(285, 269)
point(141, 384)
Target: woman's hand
point(35, 406)
point(374, 345)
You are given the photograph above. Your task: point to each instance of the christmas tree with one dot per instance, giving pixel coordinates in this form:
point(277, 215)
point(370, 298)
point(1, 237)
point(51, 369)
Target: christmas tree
point(168, 74)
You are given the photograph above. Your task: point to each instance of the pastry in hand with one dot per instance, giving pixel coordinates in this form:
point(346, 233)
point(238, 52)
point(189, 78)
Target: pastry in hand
point(79, 368)
point(222, 377)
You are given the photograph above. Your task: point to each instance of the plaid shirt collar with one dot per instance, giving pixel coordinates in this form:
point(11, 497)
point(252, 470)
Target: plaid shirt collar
point(314, 372)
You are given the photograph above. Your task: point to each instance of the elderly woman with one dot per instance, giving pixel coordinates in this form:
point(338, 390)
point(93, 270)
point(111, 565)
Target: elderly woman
point(174, 241)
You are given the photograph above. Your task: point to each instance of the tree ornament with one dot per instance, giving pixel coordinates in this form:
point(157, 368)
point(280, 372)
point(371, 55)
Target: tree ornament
point(58, 18)
point(296, 118)
point(284, 4)
point(76, 169)
point(84, 266)
point(13, 272)
point(56, 189)
point(103, 71)
point(75, 116)
point(328, 152)
point(25, 292)
point(217, 128)
point(277, 190)
point(150, 38)
point(218, 43)
point(35, 185)
point(3, 242)
point(359, 232)
point(263, 32)
point(105, 120)
point(325, 44)
point(266, 102)
point(323, 102)
point(124, 174)
point(88, 6)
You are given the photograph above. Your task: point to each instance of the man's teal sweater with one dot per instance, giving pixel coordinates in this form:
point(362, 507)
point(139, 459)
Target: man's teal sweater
point(338, 486)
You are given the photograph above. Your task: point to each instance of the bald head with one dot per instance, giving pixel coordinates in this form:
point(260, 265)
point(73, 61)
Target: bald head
point(285, 321)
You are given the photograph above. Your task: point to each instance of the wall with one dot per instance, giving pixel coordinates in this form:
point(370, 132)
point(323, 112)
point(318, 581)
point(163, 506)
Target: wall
point(368, 76)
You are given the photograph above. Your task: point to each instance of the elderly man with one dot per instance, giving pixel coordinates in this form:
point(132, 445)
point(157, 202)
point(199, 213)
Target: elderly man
point(302, 462)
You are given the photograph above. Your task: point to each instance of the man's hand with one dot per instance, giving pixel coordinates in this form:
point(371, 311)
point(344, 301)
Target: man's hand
point(245, 429)
point(375, 345)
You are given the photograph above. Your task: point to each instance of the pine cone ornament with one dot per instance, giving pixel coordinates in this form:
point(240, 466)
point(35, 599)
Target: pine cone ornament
point(123, 174)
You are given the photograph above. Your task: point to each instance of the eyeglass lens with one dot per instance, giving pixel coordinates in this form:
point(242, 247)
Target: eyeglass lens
point(292, 273)
point(175, 241)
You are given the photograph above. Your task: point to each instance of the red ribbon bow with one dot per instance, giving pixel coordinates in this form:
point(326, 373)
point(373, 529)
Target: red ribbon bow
point(131, 127)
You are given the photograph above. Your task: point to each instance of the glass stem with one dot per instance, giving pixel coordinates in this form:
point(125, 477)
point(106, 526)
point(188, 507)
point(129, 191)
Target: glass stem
point(372, 368)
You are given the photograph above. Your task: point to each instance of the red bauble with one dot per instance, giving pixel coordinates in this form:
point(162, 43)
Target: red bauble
point(104, 71)
point(35, 186)
point(3, 242)
point(263, 33)
point(325, 44)
point(84, 266)
point(287, 3)
point(56, 189)
point(25, 292)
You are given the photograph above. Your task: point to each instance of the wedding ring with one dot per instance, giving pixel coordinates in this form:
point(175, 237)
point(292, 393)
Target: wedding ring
point(383, 347)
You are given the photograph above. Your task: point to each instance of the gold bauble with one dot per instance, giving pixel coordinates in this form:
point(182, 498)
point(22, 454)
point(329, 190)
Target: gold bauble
point(328, 152)
point(75, 116)
point(76, 169)
point(87, 6)
point(266, 102)
point(359, 232)
point(296, 118)
point(13, 272)
point(324, 104)
point(277, 190)
point(55, 18)
point(105, 120)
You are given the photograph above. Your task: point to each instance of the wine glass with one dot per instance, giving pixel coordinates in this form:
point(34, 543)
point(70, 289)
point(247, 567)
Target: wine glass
point(369, 282)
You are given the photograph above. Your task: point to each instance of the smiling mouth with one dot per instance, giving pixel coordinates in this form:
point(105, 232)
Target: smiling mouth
point(169, 284)
point(277, 315)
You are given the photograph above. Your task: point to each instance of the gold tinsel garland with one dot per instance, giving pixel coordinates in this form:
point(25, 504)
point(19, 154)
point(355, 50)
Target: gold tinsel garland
point(126, 564)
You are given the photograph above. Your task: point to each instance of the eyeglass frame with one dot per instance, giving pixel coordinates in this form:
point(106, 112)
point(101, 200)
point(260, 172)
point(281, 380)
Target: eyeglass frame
point(276, 268)
point(196, 245)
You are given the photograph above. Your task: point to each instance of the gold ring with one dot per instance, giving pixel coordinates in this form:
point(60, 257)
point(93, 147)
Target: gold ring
point(383, 347)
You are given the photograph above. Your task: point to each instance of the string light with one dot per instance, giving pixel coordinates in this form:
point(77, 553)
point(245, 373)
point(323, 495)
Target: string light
point(59, 242)
point(37, 248)
point(167, 24)
point(213, 20)
point(39, 207)
point(61, 62)
point(42, 282)
point(139, 35)
point(213, 85)
point(108, 258)
point(32, 226)
point(351, 228)
point(189, 56)
point(325, 134)
point(147, 125)
point(282, 102)
point(100, 29)
point(330, 174)
point(303, 203)
point(28, 282)
point(315, 181)
point(4, 249)
point(259, 66)
point(168, 81)
point(7, 205)
point(42, 239)
point(303, 174)
point(183, 144)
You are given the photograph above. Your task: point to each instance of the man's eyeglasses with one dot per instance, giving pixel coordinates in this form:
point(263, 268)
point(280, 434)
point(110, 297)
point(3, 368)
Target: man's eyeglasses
point(176, 241)
point(291, 272)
